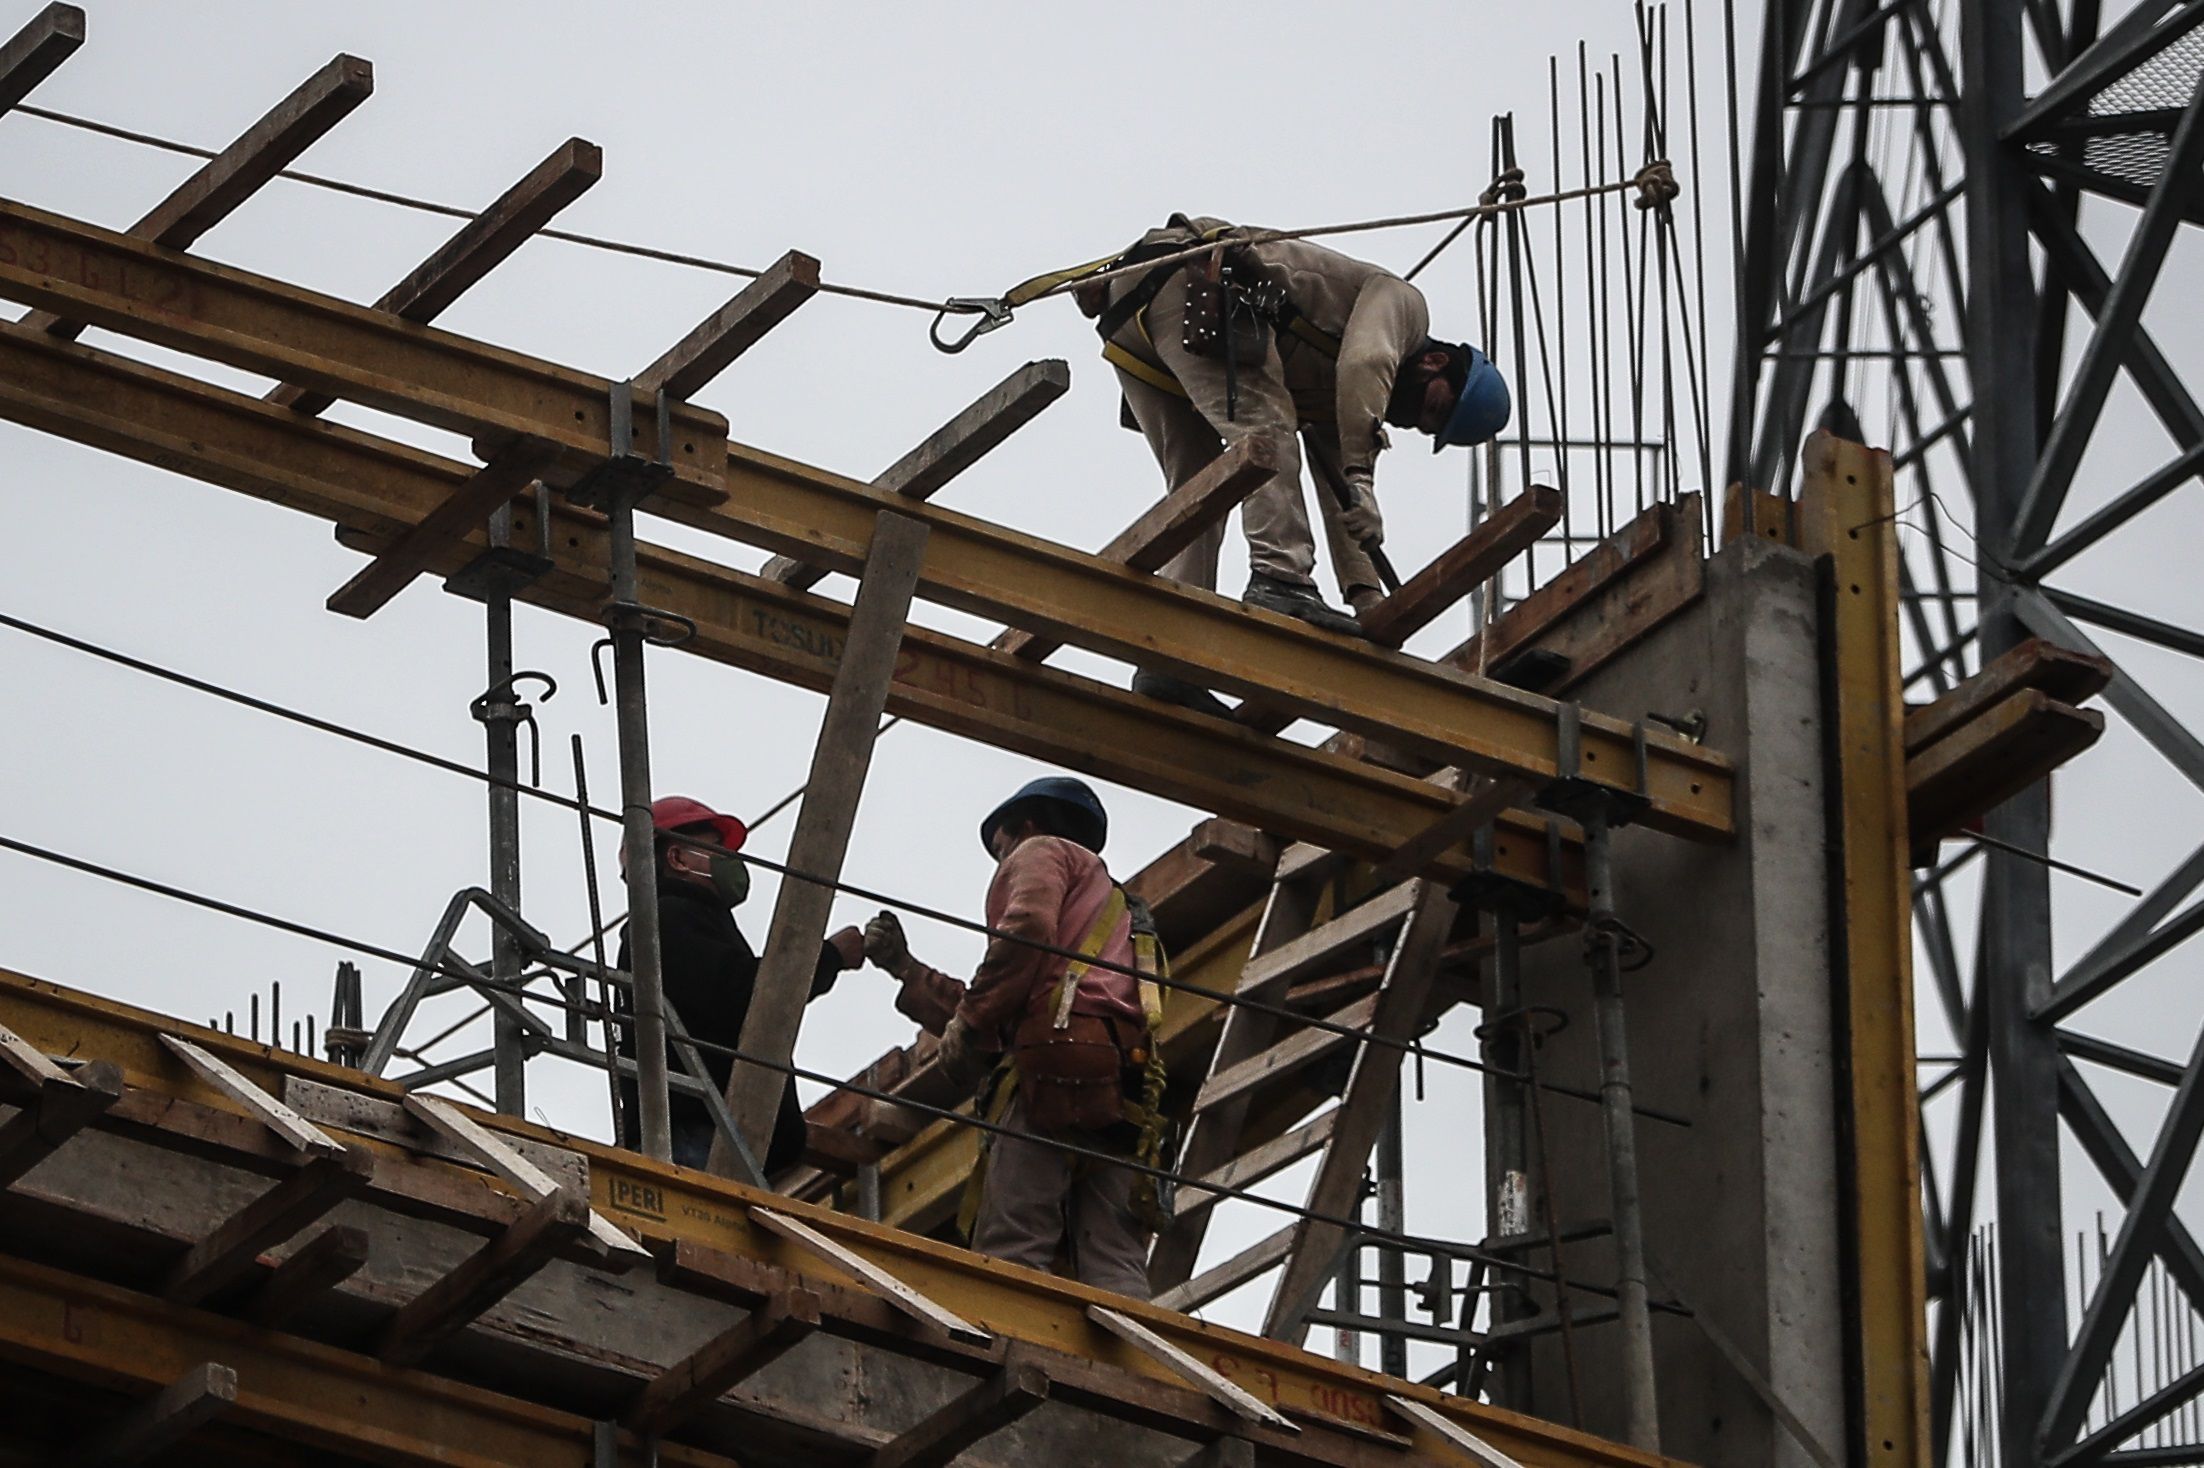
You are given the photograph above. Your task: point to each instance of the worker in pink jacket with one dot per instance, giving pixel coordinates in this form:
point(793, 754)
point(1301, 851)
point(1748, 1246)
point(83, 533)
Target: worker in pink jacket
point(1066, 1045)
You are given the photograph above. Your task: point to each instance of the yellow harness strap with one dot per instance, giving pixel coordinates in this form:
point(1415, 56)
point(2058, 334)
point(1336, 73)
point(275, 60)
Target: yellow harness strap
point(1090, 948)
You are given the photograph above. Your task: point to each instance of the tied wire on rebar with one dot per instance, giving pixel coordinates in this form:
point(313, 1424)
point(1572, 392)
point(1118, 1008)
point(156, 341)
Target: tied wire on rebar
point(1414, 1047)
point(474, 979)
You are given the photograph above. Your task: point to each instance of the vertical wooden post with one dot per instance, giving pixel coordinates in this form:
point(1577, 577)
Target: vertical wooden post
point(838, 767)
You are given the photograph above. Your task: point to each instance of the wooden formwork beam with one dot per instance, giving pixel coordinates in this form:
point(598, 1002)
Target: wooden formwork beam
point(953, 448)
point(375, 489)
point(481, 244)
point(306, 1275)
point(485, 1277)
point(308, 1395)
point(714, 343)
point(715, 1243)
point(46, 40)
point(794, 509)
point(1173, 523)
point(132, 286)
point(1464, 566)
point(937, 1439)
point(825, 823)
point(293, 1205)
point(159, 1422)
point(228, 179)
point(767, 1333)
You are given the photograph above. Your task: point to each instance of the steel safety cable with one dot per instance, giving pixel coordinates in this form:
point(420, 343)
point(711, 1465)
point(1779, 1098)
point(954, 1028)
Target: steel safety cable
point(480, 982)
point(889, 298)
point(950, 919)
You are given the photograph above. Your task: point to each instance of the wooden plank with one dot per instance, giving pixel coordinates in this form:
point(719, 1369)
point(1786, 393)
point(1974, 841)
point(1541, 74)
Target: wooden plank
point(224, 182)
point(271, 1113)
point(1146, 1341)
point(1320, 947)
point(2060, 672)
point(310, 1272)
point(46, 40)
point(936, 1440)
point(703, 1376)
point(1448, 1430)
point(494, 1153)
point(713, 343)
point(160, 1422)
point(894, 1291)
point(481, 244)
point(1279, 1152)
point(511, 471)
point(1371, 1094)
point(30, 1067)
point(1534, 621)
point(824, 822)
point(61, 1109)
point(1172, 523)
point(483, 1278)
point(953, 448)
point(1991, 758)
point(1467, 564)
point(1487, 800)
point(1235, 844)
point(1223, 1278)
point(1302, 1048)
point(293, 1205)
point(389, 1121)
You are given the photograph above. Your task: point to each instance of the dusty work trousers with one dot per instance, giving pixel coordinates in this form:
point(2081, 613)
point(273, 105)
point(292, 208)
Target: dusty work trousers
point(1185, 433)
point(1037, 1199)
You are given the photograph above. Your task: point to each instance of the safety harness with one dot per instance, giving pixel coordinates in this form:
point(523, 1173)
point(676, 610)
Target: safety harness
point(1136, 1076)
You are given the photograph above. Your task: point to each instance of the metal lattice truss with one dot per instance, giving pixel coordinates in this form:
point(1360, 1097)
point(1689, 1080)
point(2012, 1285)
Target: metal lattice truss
point(1914, 253)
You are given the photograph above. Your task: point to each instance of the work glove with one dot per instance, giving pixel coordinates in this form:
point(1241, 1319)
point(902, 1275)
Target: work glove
point(885, 944)
point(1362, 522)
point(963, 1057)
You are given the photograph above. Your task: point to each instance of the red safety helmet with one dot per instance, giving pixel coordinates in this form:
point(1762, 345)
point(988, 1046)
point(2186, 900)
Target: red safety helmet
point(678, 812)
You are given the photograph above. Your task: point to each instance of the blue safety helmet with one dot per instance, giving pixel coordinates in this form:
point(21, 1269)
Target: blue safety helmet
point(1078, 808)
point(1481, 411)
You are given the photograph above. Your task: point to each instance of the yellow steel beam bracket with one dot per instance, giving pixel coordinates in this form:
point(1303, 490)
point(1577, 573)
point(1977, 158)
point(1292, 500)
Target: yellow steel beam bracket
point(437, 377)
point(1847, 514)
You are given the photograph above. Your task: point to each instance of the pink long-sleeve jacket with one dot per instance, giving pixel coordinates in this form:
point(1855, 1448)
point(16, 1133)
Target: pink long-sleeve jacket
point(1051, 890)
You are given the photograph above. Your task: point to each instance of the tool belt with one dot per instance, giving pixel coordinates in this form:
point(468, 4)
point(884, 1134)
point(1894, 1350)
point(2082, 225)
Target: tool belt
point(1234, 305)
point(1101, 1077)
point(1076, 1078)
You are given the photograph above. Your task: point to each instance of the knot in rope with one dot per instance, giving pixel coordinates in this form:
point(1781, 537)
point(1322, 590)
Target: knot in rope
point(1656, 185)
point(1507, 188)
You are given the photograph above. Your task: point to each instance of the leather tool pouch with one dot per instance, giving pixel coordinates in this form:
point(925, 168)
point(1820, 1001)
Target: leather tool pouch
point(1217, 309)
point(1072, 1079)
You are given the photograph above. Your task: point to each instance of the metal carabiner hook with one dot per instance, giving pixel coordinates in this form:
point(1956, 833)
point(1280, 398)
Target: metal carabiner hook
point(990, 310)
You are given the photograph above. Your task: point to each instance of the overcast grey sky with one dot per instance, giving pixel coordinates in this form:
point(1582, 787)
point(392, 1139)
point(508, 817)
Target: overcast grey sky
point(928, 149)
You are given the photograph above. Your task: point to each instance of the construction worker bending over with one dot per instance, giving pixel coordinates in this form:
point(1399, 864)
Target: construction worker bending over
point(1066, 1046)
point(710, 973)
point(1283, 339)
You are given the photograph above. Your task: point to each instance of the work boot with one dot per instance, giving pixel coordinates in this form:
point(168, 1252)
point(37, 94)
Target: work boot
point(1164, 688)
point(1296, 600)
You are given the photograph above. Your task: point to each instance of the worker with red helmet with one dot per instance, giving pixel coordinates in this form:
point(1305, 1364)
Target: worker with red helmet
point(1066, 1045)
point(710, 973)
